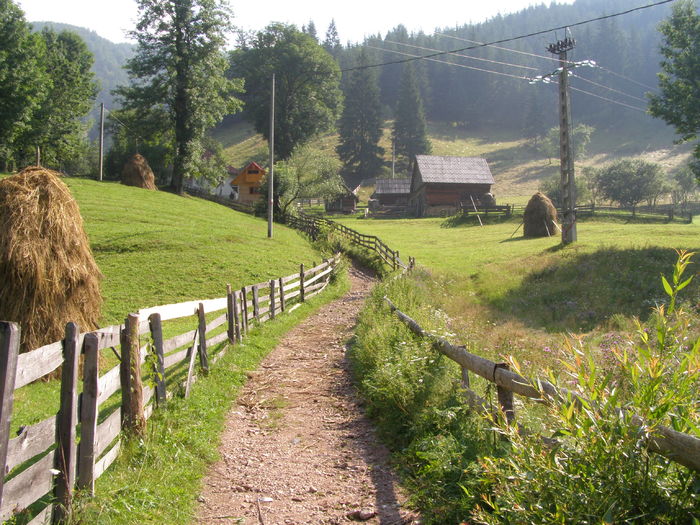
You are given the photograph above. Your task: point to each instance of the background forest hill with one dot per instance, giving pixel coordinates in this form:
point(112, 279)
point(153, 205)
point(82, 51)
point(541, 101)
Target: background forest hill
point(458, 99)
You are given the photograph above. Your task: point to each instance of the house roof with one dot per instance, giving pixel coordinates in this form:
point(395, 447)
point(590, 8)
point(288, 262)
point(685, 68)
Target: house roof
point(453, 170)
point(392, 186)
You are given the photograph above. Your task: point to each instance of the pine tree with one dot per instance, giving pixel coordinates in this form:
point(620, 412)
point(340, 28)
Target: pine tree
point(332, 41)
point(310, 30)
point(360, 126)
point(410, 134)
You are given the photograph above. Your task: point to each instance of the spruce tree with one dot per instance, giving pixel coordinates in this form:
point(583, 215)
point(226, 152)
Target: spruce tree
point(410, 133)
point(360, 126)
point(332, 41)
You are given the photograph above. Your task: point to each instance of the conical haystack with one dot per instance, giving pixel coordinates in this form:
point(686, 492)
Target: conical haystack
point(48, 274)
point(138, 173)
point(540, 217)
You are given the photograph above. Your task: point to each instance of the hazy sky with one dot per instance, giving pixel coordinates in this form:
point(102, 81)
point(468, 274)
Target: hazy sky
point(354, 19)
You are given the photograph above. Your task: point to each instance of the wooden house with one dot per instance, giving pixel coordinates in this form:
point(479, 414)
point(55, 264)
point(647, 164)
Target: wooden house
point(247, 183)
point(345, 202)
point(392, 192)
point(439, 185)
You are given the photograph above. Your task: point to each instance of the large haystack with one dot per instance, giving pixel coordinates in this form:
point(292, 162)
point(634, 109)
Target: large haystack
point(48, 274)
point(138, 173)
point(540, 217)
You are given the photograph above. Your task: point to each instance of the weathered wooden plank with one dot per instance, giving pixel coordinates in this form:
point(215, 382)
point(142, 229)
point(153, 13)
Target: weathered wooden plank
point(231, 328)
point(31, 440)
point(237, 318)
point(9, 358)
point(148, 393)
point(301, 282)
point(318, 276)
point(262, 311)
point(67, 420)
point(218, 338)
point(27, 487)
point(88, 413)
point(185, 309)
point(315, 287)
point(108, 384)
point(159, 372)
point(43, 518)
point(216, 323)
point(108, 336)
point(256, 305)
point(317, 268)
point(289, 297)
point(177, 341)
point(132, 385)
point(190, 369)
point(292, 286)
point(107, 431)
point(294, 277)
point(175, 357)
point(37, 363)
point(148, 411)
point(107, 459)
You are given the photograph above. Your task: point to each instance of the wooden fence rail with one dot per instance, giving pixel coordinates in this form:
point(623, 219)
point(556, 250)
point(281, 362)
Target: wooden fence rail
point(677, 446)
point(314, 225)
point(42, 465)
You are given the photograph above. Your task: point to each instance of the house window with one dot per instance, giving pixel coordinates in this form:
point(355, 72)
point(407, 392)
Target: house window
point(253, 172)
point(254, 189)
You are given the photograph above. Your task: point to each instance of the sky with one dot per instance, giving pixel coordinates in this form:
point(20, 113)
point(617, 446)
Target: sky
point(354, 19)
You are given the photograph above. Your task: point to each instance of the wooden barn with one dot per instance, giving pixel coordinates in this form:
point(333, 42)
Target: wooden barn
point(345, 202)
point(247, 183)
point(392, 192)
point(439, 185)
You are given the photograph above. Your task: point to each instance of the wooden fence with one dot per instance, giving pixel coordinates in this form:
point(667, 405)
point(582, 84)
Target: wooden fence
point(315, 225)
point(42, 464)
point(677, 446)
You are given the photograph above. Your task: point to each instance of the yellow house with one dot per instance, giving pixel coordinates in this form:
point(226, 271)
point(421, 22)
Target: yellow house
point(247, 183)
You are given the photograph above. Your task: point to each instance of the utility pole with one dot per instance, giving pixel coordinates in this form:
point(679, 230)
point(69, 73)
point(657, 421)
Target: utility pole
point(270, 186)
point(102, 137)
point(38, 156)
point(568, 184)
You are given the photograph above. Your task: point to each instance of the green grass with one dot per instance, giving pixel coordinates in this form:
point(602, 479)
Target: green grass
point(158, 479)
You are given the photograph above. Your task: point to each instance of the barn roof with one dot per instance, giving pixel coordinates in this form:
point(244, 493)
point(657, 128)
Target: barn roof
point(453, 170)
point(392, 186)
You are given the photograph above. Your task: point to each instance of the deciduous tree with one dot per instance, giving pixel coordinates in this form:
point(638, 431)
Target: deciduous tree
point(631, 181)
point(178, 76)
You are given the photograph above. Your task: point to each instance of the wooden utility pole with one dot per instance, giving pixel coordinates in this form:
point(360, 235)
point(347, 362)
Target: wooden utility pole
point(102, 137)
point(270, 186)
point(568, 183)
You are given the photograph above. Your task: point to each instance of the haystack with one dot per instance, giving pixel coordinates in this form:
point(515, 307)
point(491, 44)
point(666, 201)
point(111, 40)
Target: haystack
point(540, 217)
point(138, 173)
point(48, 274)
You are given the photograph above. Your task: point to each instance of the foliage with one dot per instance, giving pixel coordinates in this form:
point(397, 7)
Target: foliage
point(22, 78)
point(631, 181)
point(602, 468)
point(307, 94)
point(552, 188)
point(308, 173)
point(679, 80)
point(178, 87)
point(580, 138)
point(410, 133)
point(332, 41)
point(56, 125)
point(591, 181)
point(685, 186)
point(361, 124)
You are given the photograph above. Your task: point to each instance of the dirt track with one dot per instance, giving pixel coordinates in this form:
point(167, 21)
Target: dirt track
point(297, 447)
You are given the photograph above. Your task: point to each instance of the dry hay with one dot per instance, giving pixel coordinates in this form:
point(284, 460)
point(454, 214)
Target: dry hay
point(540, 217)
point(138, 173)
point(49, 276)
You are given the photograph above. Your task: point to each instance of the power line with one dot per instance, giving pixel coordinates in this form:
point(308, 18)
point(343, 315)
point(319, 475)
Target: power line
point(609, 88)
point(510, 39)
point(608, 99)
point(517, 51)
point(465, 56)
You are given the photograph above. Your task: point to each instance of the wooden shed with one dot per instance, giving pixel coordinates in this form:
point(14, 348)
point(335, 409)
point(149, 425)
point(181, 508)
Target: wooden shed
point(345, 202)
point(439, 184)
point(247, 183)
point(392, 192)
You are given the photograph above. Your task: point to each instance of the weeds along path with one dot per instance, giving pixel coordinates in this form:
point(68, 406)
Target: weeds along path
point(297, 447)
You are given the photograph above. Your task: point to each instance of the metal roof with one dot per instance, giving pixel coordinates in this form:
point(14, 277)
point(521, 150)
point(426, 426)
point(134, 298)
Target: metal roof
point(385, 186)
point(453, 170)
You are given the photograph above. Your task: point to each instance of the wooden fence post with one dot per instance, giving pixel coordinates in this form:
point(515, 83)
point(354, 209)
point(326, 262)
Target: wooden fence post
point(157, 334)
point(465, 377)
point(133, 420)
point(237, 317)
point(256, 306)
point(9, 352)
point(88, 414)
point(203, 357)
point(505, 397)
point(229, 314)
point(244, 309)
point(272, 299)
point(66, 423)
point(301, 283)
point(281, 295)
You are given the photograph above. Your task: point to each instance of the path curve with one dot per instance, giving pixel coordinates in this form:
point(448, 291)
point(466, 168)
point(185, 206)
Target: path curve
point(297, 447)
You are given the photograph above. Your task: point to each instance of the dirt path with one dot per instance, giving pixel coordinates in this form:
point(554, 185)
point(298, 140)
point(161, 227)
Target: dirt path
point(297, 447)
